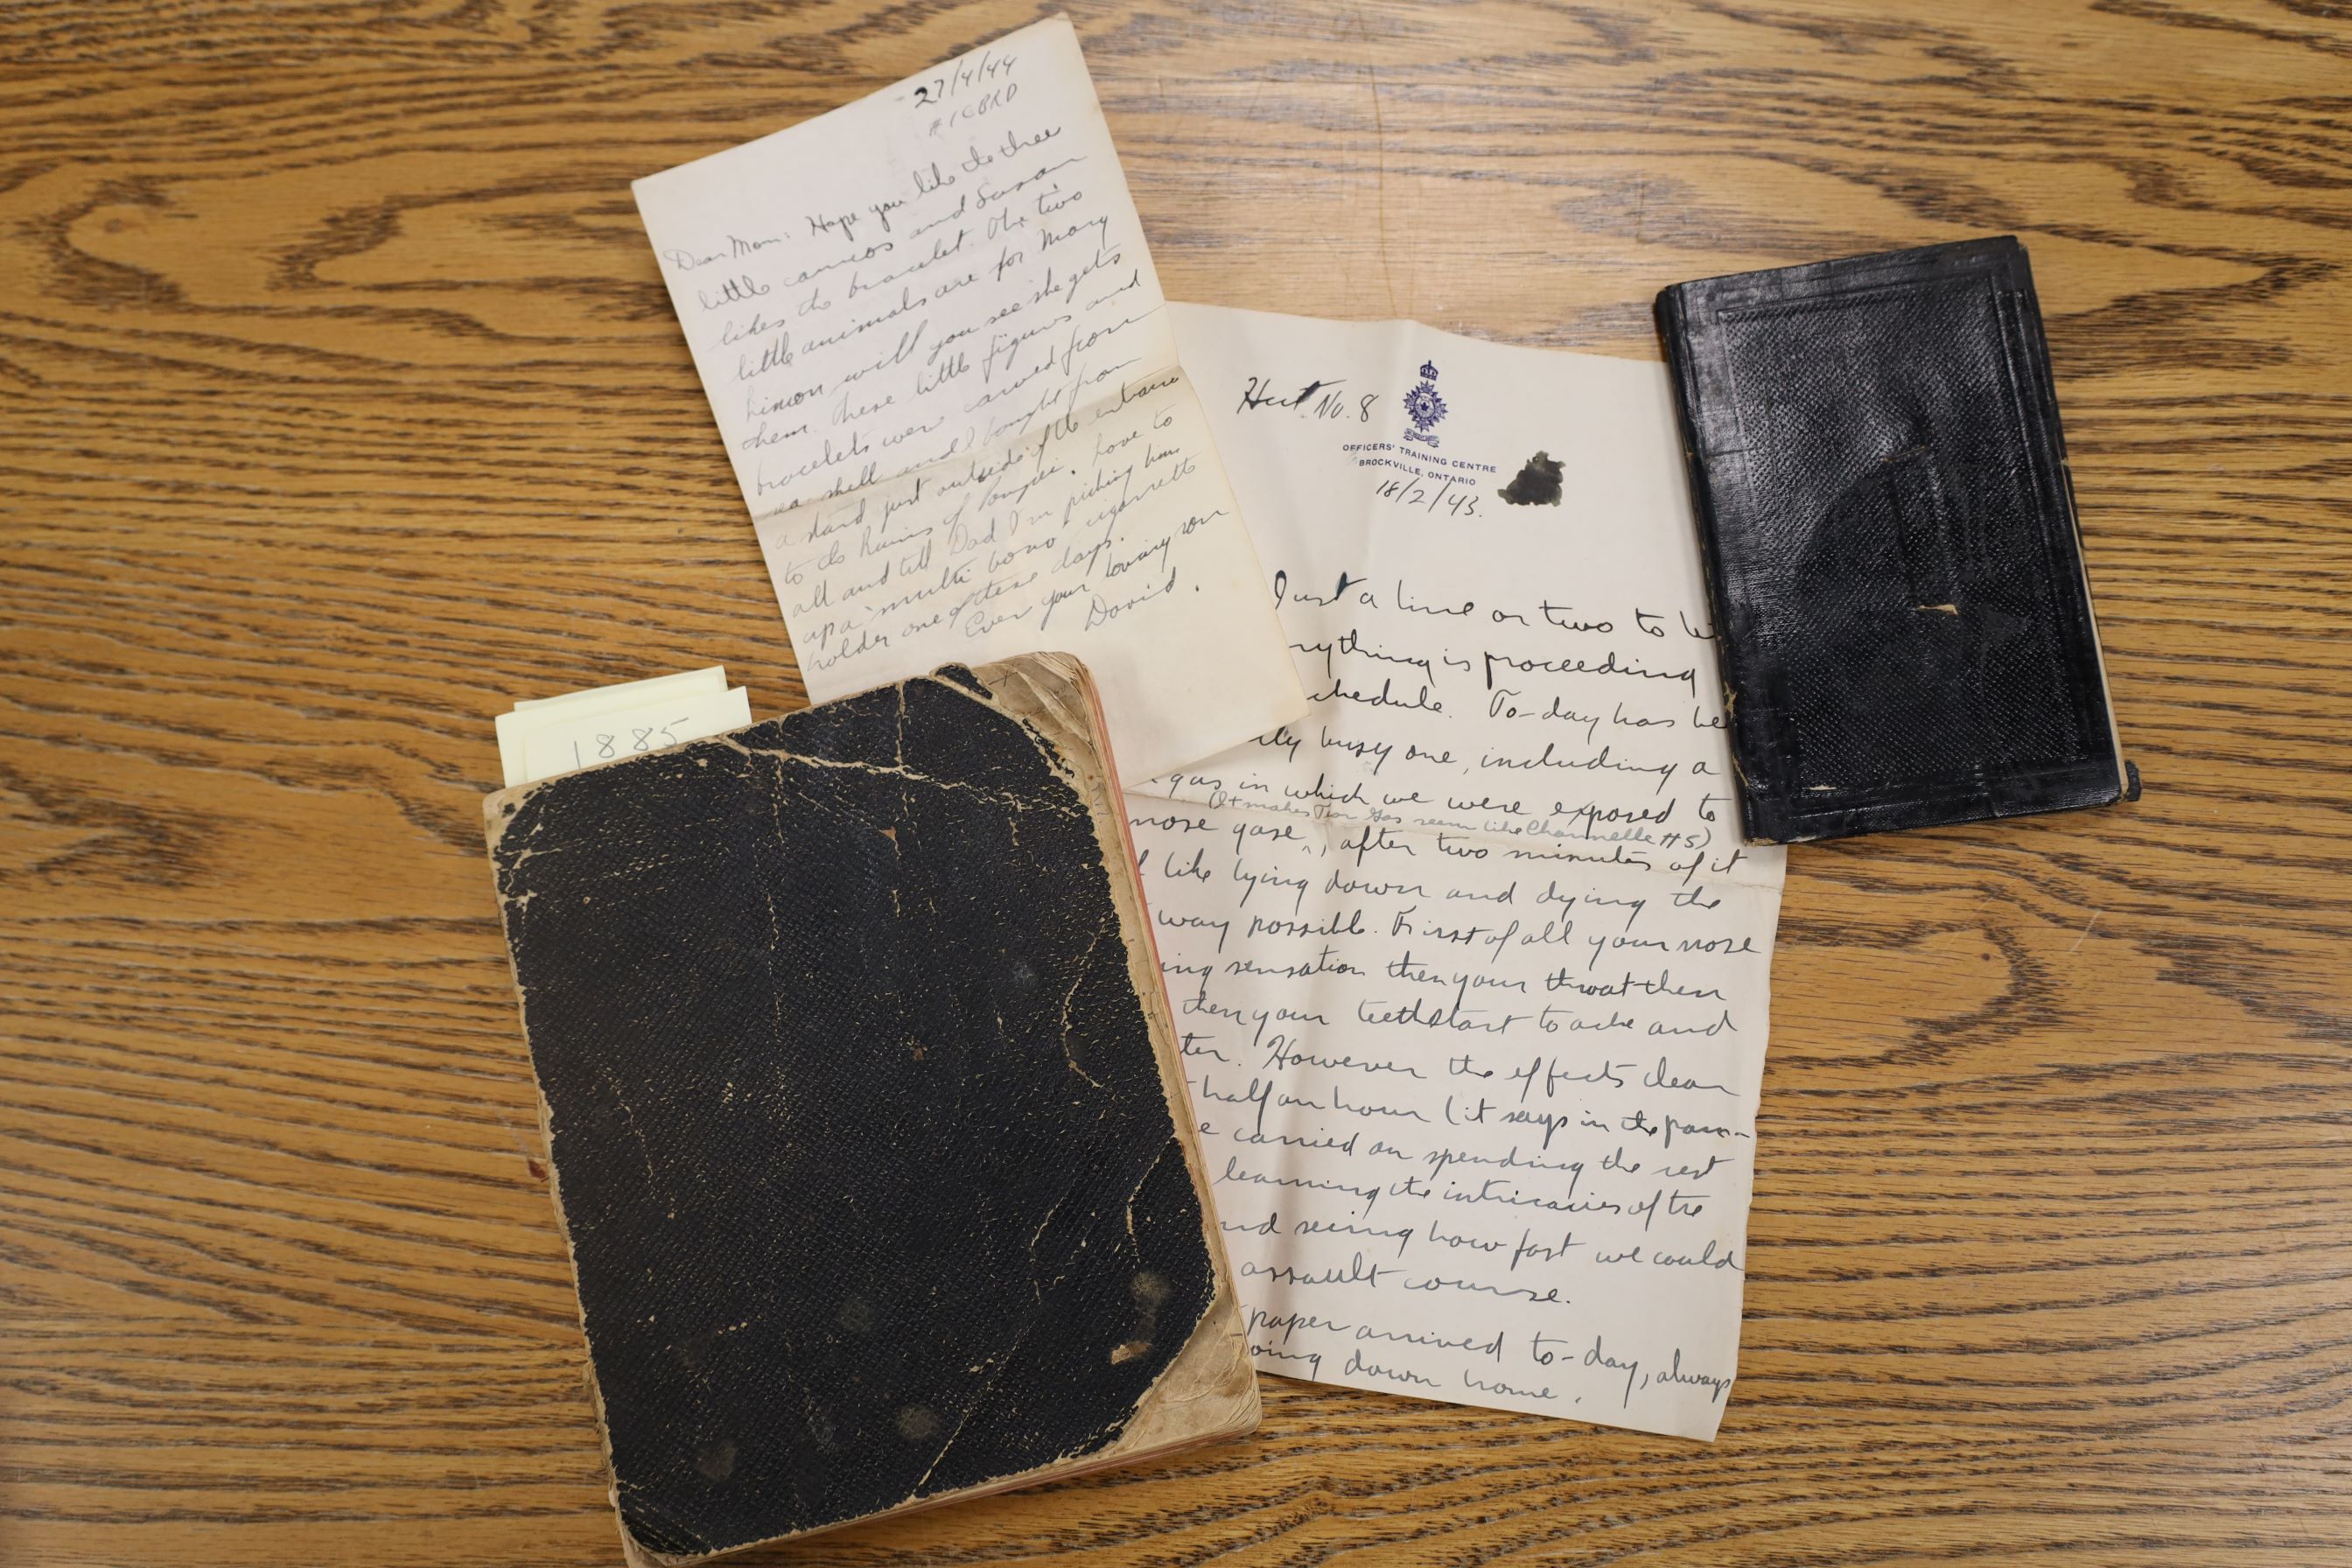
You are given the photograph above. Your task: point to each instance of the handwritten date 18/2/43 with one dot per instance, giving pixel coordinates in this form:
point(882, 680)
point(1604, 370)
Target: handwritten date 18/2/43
point(1439, 497)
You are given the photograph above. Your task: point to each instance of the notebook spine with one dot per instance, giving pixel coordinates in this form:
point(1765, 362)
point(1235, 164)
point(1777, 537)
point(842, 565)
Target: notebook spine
point(1748, 734)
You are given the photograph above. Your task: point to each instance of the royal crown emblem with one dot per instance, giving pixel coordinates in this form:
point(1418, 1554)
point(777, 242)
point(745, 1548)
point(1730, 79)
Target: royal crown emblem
point(1424, 407)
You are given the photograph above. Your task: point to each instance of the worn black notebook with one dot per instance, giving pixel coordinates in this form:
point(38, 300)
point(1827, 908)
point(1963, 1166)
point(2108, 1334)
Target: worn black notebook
point(865, 1110)
point(1889, 530)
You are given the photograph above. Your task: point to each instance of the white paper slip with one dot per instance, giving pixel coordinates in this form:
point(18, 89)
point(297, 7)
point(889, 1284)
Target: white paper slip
point(560, 736)
point(629, 693)
point(1471, 967)
point(939, 357)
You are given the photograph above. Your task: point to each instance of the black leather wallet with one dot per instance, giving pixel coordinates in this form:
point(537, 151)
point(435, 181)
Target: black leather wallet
point(1891, 548)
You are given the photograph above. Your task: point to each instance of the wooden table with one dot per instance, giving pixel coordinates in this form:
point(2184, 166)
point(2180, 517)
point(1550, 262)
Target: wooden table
point(340, 402)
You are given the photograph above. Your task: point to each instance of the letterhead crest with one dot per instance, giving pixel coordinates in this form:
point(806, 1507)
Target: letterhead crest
point(1424, 407)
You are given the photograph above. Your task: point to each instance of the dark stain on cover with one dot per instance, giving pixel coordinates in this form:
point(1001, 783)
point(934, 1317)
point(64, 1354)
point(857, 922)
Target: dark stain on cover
point(1536, 484)
point(864, 1157)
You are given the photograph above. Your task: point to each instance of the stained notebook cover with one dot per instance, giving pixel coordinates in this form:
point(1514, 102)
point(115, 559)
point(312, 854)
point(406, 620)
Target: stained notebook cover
point(1888, 525)
point(869, 1127)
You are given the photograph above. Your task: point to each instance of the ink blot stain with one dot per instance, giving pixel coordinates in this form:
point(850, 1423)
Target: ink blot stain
point(1537, 484)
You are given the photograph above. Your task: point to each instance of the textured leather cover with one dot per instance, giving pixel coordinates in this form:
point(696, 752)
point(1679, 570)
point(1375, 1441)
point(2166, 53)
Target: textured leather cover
point(866, 1120)
point(1889, 530)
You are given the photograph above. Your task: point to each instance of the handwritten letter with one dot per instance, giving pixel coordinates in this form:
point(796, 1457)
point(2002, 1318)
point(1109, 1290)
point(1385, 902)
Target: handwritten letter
point(1470, 964)
point(941, 363)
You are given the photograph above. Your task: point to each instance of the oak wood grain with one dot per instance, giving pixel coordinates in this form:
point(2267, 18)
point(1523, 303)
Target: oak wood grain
point(340, 403)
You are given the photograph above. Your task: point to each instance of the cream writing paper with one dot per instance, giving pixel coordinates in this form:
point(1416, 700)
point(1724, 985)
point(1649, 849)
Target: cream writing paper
point(711, 679)
point(940, 362)
point(1470, 964)
point(545, 736)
